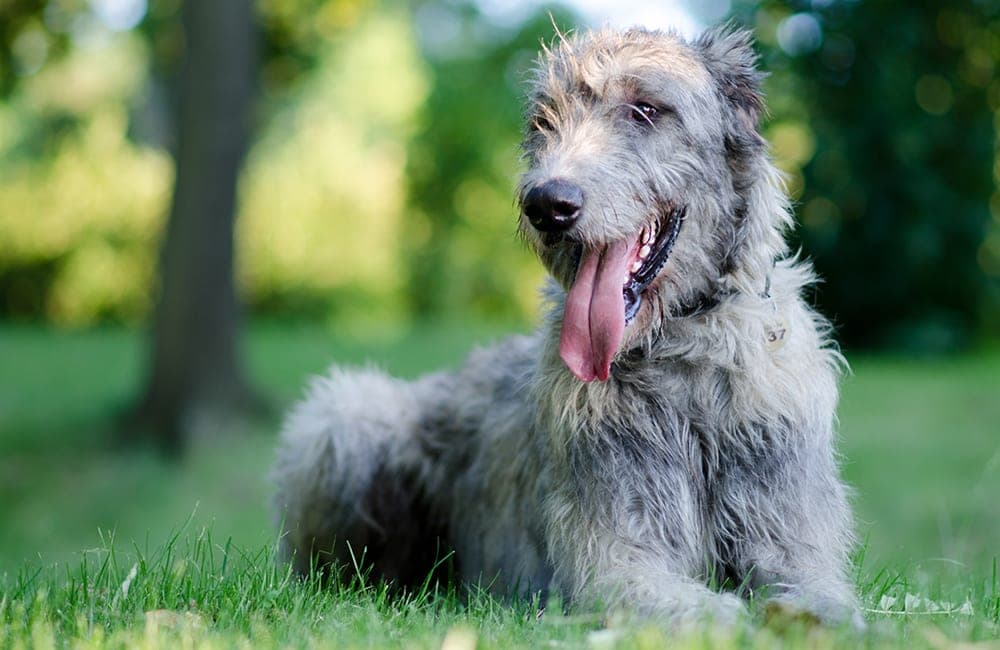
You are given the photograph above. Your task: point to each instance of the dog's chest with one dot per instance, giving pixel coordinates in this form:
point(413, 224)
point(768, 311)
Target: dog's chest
point(651, 427)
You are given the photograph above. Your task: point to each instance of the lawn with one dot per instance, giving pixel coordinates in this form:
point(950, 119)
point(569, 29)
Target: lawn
point(920, 439)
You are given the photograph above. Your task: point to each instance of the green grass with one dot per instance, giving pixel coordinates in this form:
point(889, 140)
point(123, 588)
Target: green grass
point(920, 443)
point(198, 591)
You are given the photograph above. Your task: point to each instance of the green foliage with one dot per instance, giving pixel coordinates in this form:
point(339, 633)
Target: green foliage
point(80, 206)
point(463, 164)
point(321, 200)
point(323, 197)
point(297, 34)
point(331, 227)
point(379, 188)
point(26, 41)
point(895, 109)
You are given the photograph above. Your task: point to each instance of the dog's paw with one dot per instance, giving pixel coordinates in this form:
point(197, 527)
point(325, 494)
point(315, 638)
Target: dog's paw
point(692, 610)
point(729, 610)
point(717, 610)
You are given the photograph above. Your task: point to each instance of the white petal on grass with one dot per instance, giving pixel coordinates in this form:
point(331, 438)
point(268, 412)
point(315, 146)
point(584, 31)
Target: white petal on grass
point(127, 583)
point(886, 602)
point(914, 604)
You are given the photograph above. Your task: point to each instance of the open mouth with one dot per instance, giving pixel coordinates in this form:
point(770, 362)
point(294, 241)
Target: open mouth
point(607, 292)
point(655, 243)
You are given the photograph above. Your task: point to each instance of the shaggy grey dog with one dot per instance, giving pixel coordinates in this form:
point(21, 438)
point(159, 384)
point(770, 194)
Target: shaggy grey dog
point(670, 423)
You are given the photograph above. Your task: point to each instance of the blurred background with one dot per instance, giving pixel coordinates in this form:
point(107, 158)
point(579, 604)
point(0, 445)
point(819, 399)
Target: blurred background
point(201, 203)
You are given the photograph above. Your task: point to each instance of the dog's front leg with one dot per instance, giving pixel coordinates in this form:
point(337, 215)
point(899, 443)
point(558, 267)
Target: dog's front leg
point(642, 553)
point(610, 575)
point(786, 528)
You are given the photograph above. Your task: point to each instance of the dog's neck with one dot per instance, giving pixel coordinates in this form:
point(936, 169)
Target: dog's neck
point(700, 305)
point(704, 302)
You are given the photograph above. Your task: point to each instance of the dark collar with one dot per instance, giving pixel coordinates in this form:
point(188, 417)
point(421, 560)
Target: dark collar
point(700, 305)
point(703, 303)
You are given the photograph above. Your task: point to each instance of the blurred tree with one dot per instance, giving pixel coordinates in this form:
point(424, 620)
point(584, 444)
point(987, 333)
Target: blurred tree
point(205, 55)
point(196, 381)
point(882, 114)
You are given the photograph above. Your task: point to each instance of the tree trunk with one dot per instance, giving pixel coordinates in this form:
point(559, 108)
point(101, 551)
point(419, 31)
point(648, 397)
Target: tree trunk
point(196, 382)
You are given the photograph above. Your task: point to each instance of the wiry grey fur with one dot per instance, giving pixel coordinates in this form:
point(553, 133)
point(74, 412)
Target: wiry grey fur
point(708, 453)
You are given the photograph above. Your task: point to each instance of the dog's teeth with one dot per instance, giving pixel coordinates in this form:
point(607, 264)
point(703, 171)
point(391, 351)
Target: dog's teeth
point(636, 265)
point(646, 236)
point(644, 251)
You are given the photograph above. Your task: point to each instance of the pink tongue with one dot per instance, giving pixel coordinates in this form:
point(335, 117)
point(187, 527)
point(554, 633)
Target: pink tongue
point(594, 318)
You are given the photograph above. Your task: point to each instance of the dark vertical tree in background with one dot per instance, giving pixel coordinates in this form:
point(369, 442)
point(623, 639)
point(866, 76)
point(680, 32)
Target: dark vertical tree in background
point(895, 203)
point(196, 381)
point(204, 53)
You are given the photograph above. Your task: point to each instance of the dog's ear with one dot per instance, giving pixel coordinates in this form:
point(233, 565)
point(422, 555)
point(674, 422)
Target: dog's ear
point(729, 55)
point(731, 59)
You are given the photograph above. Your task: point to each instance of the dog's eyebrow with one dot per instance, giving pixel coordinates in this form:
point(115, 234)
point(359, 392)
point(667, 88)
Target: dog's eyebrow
point(666, 92)
point(634, 88)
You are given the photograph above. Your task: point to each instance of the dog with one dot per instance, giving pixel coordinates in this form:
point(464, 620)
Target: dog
point(671, 422)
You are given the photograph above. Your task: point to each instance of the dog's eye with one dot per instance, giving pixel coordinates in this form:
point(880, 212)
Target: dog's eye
point(644, 113)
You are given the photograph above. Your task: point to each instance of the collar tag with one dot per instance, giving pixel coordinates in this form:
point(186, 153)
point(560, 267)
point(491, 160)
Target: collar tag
point(776, 334)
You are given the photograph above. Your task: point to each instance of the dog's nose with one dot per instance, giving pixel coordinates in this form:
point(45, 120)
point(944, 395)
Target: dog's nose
point(553, 206)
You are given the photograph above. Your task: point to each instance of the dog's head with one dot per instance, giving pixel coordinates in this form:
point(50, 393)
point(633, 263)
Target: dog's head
point(645, 175)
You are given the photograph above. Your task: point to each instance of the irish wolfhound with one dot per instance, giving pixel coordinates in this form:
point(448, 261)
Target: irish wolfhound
point(671, 421)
